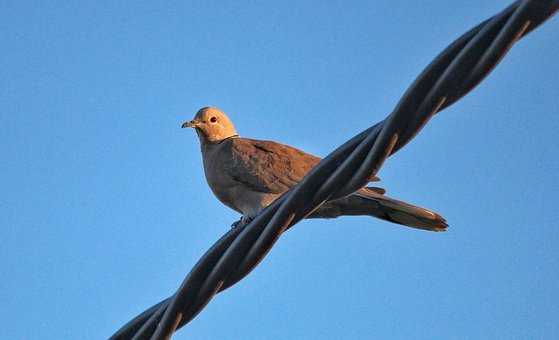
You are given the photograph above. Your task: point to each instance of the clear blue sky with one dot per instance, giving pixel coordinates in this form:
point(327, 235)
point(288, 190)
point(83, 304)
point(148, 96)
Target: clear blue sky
point(104, 207)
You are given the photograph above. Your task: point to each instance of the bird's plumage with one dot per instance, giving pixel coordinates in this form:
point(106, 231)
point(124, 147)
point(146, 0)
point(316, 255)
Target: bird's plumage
point(266, 166)
point(248, 174)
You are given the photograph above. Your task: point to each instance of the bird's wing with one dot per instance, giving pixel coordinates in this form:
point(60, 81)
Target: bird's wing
point(267, 166)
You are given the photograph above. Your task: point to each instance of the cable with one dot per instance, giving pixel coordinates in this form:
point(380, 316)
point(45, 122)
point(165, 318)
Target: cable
point(453, 73)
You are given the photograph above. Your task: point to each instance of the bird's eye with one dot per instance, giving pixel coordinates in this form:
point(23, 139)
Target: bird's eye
point(213, 119)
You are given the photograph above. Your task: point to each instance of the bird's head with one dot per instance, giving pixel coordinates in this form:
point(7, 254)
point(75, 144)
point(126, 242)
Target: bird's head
point(212, 125)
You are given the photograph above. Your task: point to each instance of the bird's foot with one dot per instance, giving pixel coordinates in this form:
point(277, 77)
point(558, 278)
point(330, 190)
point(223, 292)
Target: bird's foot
point(244, 220)
point(236, 223)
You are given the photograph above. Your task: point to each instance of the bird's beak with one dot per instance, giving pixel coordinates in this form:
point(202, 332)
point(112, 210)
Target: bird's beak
point(191, 124)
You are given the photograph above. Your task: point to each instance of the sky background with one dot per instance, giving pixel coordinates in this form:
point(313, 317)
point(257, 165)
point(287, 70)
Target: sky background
point(104, 207)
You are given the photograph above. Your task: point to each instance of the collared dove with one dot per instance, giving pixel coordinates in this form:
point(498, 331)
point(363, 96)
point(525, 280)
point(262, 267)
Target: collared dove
point(248, 174)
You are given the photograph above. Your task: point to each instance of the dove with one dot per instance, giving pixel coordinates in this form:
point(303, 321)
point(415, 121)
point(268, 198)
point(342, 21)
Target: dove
point(247, 175)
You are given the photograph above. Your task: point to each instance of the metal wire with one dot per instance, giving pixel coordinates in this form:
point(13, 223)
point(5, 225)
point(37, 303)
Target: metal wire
point(455, 72)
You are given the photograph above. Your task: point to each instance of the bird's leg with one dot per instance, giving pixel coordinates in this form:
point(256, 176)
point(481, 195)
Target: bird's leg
point(244, 220)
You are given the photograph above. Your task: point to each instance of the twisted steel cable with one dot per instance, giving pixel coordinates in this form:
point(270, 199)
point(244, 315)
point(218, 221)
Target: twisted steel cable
point(455, 72)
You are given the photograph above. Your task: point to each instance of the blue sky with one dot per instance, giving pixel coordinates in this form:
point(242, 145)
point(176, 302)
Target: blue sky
point(104, 207)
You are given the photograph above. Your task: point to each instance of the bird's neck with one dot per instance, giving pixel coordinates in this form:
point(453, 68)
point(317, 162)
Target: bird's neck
point(208, 146)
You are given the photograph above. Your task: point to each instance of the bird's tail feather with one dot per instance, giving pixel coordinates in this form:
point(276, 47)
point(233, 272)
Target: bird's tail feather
point(373, 203)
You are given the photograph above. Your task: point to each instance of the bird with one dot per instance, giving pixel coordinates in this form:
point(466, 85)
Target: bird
point(247, 175)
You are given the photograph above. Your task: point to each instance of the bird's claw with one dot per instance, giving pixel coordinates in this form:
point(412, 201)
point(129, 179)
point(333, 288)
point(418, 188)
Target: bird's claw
point(236, 224)
point(241, 222)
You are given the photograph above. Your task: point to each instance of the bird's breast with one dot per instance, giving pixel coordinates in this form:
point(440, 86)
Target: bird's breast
point(230, 192)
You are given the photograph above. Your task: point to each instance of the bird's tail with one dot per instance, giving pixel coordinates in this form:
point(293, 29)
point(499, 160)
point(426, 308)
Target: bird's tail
point(371, 202)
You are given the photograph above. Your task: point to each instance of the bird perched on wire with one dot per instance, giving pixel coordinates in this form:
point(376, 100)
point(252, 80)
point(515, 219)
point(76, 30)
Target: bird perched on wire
point(248, 174)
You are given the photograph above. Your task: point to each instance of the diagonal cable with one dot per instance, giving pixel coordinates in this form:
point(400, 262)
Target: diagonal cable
point(451, 75)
